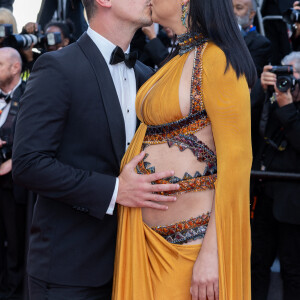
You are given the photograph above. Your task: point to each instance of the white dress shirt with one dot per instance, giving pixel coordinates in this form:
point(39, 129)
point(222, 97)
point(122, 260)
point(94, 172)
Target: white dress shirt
point(4, 107)
point(125, 84)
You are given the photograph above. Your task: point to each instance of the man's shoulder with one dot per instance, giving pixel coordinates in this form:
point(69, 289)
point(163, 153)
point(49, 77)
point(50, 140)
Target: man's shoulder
point(65, 54)
point(140, 67)
point(257, 38)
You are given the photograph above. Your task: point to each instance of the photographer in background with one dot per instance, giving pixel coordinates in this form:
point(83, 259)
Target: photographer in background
point(6, 17)
point(59, 10)
point(66, 30)
point(61, 36)
point(12, 197)
point(276, 222)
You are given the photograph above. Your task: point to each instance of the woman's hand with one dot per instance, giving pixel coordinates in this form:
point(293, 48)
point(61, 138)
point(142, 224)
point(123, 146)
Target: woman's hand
point(205, 278)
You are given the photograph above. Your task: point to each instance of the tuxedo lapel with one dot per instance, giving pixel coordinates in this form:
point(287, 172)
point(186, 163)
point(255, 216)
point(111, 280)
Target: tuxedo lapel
point(108, 93)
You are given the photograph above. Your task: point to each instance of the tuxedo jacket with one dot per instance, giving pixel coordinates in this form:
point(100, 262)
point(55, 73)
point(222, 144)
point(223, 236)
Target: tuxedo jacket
point(69, 141)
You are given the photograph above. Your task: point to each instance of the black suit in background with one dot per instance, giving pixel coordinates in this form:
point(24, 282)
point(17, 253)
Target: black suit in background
point(276, 30)
point(70, 138)
point(7, 4)
point(12, 224)
point(151, 53)
point(74, 12)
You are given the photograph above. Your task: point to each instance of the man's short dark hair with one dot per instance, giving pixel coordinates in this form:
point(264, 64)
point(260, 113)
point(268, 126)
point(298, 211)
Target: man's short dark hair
point(90, 7)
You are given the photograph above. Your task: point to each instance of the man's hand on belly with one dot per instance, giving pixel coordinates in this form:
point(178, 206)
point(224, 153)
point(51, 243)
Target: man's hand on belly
point(137, 190)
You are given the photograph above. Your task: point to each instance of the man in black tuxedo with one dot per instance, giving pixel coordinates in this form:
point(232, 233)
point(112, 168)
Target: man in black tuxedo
point(76, 118)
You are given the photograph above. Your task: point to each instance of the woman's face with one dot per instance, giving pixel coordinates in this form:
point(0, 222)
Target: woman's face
point(166, 12)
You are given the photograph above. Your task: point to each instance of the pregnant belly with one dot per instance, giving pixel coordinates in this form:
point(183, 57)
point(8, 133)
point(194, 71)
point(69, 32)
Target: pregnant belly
point(188, 205)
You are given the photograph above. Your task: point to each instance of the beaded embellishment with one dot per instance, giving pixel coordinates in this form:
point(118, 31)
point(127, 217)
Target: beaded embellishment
point(188, 41)
point(188, 183)
point(188, 125)
point(184, 231)
point(181, 134)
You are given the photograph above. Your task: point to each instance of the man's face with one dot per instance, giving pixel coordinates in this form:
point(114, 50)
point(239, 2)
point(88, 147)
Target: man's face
point(243, 11)
point(6, 74)
point(136, 12)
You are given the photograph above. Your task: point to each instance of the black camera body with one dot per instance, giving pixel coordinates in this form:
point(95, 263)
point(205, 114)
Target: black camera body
point(6, 30)
point(25, 41)
point(291, 16)
point(285, 78)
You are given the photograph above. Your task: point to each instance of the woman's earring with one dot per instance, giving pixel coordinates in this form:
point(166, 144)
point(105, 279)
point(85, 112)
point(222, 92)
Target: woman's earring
point(184, 8)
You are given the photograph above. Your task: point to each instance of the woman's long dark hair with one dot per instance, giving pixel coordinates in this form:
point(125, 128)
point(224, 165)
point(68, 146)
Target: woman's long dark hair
point(216, 20)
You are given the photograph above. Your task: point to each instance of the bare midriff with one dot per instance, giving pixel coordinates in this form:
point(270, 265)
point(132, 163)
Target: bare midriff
point(188, 204)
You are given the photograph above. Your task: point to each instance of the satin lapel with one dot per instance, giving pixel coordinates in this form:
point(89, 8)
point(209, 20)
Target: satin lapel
point(108, 93)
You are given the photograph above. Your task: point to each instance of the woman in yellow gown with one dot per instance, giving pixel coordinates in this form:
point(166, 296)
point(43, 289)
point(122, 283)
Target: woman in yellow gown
point(195, 119)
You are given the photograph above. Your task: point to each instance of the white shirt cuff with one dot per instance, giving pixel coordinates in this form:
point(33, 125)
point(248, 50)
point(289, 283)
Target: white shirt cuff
point(110, 210)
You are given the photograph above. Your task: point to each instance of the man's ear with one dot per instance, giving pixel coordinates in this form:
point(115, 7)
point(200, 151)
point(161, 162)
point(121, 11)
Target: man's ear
point(104, 3)
point(16, 68)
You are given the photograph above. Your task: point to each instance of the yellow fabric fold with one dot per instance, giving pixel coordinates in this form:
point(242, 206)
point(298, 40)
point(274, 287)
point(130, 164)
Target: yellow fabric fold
point(227, 102)
point(147, 267)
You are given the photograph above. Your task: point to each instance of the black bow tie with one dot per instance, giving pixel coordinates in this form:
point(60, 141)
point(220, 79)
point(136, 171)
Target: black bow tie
point(118, 56)
point(6, 97)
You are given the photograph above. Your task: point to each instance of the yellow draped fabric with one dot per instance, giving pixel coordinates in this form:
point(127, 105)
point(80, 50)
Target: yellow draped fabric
point(147, 267)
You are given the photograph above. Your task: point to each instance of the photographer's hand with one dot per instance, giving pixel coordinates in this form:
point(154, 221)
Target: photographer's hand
point(136, 190)
point(5, 167)
point(283, 98)
point(2, 143)
point(149, 31)
point(267, 78)
point(30, 28)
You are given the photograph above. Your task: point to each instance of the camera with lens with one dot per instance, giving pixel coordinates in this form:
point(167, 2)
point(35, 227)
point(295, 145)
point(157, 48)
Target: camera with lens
point(285, 79)
point(25, 41)
point(291, 16)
